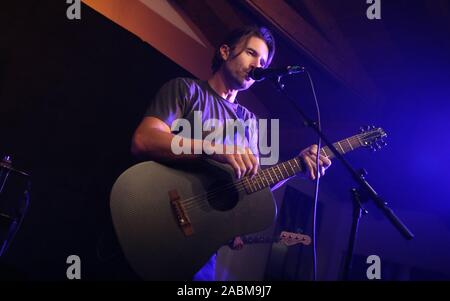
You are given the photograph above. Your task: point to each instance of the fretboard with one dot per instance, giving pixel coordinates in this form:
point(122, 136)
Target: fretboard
point(284, 170)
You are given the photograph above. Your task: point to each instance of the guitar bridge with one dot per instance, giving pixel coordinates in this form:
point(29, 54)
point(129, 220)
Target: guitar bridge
point(182, 219)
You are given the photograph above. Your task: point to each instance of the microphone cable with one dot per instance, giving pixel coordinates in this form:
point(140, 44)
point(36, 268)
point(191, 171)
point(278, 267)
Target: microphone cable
point(317, 181)
point(319, 146)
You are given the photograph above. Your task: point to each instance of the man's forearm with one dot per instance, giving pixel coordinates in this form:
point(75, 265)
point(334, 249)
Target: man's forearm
point(157, 145)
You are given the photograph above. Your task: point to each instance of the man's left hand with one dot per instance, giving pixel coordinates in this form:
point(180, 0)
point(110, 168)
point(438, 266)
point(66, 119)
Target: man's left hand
point(309, 156)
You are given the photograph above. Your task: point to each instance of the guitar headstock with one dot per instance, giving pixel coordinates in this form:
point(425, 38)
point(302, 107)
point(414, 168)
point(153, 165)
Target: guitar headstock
point(372, 137)
point(290, 238)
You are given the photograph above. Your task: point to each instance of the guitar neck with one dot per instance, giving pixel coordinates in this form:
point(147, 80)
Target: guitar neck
point(284, 170)
point(343, 146)
point(259, 239)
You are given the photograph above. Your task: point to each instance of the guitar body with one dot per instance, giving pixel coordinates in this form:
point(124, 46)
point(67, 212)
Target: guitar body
point(148, 229)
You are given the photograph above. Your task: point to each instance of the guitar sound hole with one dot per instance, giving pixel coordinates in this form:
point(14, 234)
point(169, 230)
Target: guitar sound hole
point(222, 195)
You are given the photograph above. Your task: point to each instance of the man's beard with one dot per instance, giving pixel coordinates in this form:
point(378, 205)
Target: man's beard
point(237, 82)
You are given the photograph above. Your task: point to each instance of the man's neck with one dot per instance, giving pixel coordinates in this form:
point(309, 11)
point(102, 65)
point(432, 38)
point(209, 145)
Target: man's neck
point(218, 84)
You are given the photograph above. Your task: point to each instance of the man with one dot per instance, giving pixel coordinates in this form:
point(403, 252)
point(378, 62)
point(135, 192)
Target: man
point(243, 50)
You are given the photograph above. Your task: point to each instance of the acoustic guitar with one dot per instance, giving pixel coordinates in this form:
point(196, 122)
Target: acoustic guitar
point(170, 219)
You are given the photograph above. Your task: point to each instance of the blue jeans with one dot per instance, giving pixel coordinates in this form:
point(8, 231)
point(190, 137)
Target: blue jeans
point(208, 271)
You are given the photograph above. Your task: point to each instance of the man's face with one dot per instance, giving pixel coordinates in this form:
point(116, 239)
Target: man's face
point(247, 55)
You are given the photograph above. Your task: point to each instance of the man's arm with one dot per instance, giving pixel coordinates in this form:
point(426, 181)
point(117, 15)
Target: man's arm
point(152, 140)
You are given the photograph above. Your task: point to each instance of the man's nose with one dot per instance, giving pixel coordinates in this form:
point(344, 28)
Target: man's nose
point(255, 63)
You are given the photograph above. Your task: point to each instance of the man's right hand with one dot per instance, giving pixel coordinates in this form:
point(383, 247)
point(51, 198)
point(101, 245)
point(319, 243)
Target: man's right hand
point(242, 160)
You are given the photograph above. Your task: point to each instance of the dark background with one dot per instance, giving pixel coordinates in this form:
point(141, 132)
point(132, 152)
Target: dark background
point(71, 95)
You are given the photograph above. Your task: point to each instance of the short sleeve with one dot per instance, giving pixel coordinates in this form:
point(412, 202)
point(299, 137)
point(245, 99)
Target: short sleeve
point(170, 102)
point(253, 134)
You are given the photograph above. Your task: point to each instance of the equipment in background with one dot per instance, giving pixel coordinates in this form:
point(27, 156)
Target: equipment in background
point(14, 201)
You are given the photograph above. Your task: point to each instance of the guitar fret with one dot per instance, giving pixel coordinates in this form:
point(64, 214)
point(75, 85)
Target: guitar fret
point(254, 185)
point(293, 170)
point(281, 173)
point(271, 179)
point(265, 178)
point(287, 172)
point(351, 147)
point(275, 174)
point(249, 185)
point(257, 182)
point(298, 166)
point(339, 143)
point(359, 140)
point(261, 178)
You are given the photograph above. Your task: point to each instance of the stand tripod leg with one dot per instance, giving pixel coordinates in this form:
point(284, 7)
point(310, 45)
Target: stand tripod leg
point(358, 210)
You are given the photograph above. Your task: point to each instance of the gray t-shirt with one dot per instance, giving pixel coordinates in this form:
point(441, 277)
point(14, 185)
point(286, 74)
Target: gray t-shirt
point(205, 112)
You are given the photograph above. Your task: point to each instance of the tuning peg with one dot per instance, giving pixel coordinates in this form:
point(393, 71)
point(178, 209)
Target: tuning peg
point(363, 172)
point(380, 144)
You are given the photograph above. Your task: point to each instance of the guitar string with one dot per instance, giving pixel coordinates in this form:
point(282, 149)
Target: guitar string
point(238, 186)
point(240, 183)
point(260, 178)
point(349, 148)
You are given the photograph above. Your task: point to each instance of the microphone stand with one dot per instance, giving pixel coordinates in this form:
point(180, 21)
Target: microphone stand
point(363, 192)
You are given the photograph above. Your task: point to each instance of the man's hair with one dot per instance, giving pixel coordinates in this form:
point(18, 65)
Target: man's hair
point(244, 33)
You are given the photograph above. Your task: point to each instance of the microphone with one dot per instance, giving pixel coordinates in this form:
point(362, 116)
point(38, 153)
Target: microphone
point(259, 74)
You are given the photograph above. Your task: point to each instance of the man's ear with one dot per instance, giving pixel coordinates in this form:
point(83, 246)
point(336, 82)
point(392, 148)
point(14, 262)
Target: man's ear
point(225, 52)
